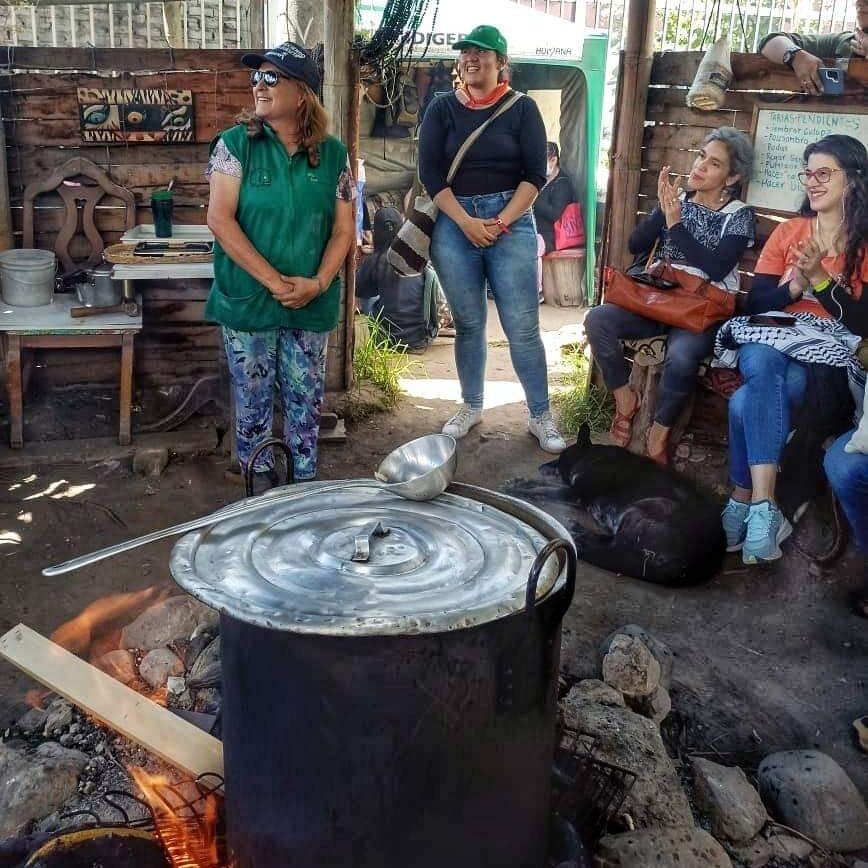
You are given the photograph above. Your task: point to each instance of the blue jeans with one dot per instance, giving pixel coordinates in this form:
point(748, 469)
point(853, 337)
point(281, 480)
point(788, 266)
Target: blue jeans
point(607, 325)
point(296, 359)
point(760, 411)
point(510, 267)
point(847, 473)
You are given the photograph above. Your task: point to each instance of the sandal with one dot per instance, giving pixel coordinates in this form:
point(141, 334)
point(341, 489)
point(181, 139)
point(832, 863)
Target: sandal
point(661, 457)
point(622, 425)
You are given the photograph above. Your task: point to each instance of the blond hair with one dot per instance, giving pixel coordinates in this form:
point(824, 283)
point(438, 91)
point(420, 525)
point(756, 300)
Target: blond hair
point(311, 119)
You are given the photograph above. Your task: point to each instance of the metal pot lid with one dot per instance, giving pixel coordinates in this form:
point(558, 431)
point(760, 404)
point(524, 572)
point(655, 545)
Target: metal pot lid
point(350, 558)
point(103, 269)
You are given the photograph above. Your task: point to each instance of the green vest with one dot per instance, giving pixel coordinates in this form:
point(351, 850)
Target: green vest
point(286, 209)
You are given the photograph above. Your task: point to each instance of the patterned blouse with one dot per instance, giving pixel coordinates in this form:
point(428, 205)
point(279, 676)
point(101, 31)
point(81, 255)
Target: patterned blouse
point(224, 163)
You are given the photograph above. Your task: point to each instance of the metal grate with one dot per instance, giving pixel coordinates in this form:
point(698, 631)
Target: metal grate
point(589, 792)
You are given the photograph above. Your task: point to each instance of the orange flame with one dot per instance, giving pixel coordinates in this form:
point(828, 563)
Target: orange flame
point(187, 829)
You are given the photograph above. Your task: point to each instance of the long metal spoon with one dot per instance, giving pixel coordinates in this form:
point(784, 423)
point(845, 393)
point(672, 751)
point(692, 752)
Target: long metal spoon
point(251, 504)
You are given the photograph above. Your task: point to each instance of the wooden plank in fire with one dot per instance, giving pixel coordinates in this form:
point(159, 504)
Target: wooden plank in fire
point(112, 703)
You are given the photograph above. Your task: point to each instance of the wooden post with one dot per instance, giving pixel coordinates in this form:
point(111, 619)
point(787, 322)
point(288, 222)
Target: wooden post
point(6, 239)
point(341, 96)
point(257, 24)
point(629, 130)
point(306, 22)
point(173, 23)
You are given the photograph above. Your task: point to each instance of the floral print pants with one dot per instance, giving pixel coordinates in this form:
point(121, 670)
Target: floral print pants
point(297, 360)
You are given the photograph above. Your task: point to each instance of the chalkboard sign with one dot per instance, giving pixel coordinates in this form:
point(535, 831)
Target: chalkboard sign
point(780, 137)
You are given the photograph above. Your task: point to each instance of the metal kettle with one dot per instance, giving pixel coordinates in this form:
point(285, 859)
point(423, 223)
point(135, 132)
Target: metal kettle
point(95, 287)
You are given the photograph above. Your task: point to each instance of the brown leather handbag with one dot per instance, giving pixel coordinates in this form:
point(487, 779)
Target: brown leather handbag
point(669, 296)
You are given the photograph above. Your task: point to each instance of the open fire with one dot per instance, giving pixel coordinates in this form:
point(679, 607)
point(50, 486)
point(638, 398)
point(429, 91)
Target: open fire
point(187, 818)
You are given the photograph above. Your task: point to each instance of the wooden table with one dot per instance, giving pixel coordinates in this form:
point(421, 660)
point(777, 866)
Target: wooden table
point(50, 326)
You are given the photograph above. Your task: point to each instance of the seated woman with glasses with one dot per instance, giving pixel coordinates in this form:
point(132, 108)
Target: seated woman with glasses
point(817, 264)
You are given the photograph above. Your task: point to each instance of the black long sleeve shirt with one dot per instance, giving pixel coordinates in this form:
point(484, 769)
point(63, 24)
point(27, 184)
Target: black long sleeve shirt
point(766, 295)
point(550, 204)
point(511, 150)
point(717, 261)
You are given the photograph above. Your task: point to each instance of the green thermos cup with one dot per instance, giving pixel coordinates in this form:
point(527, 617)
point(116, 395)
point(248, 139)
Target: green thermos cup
point(161, 208)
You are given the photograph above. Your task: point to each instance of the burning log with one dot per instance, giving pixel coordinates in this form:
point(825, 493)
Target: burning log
point(114, 704)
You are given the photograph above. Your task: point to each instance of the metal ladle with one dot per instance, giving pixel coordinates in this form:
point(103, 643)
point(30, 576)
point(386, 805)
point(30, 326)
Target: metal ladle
point(394, 480)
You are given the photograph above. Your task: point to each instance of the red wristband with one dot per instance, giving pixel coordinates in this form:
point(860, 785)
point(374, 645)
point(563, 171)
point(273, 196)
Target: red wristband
point(503, 226)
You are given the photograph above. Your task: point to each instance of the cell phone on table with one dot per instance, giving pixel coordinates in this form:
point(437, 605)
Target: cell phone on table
point(832, 80)
point(653, 280)
point(778, 320)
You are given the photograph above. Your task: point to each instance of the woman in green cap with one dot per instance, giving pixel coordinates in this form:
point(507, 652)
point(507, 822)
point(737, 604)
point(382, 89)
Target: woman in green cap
point(281, 211)
point(485, 230)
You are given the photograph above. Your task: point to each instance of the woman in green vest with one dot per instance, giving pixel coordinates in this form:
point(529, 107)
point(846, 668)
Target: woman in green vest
point(281, 212)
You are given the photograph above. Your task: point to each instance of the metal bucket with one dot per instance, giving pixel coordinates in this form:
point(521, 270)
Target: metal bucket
point(27, 277)
point(391, 704)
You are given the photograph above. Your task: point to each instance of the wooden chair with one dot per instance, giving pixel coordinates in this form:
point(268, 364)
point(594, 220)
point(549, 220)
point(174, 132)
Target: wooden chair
point(79, 198)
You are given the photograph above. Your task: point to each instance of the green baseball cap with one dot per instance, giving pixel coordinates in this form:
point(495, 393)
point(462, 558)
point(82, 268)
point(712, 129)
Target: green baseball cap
point(484, 36)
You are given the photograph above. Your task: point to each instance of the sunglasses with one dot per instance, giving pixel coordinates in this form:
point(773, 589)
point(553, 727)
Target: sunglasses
point(269, 76)
point(821, 176)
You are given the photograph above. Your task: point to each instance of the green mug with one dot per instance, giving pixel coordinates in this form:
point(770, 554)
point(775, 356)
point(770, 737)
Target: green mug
point(161, 208)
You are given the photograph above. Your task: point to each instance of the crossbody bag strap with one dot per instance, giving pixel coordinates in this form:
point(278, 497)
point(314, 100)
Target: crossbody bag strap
point(465, 147)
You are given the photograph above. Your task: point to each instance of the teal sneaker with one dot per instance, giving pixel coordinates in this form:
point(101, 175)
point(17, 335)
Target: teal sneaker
point(766, 530)
point(734, 521)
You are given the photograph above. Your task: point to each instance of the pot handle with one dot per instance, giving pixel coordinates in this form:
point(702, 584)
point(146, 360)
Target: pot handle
point(566, 551)
point(290, 465)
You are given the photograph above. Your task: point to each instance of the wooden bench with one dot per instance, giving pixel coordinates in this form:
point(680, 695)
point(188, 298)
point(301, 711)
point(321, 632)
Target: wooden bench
point(563, 277)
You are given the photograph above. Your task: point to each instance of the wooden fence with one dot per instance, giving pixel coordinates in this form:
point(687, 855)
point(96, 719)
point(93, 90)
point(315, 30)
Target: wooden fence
point(38, 100)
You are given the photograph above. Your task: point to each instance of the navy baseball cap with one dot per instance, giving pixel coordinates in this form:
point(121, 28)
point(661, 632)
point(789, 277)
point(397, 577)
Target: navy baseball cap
point(291, 59)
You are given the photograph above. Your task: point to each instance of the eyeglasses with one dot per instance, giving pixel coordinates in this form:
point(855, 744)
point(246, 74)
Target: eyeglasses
point(269, 76)
point(821, 176)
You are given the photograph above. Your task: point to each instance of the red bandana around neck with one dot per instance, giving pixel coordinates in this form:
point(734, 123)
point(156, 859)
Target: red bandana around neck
point(465, 98)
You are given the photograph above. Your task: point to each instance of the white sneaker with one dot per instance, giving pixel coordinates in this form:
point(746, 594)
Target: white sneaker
point(544, 429)
point(462, 422)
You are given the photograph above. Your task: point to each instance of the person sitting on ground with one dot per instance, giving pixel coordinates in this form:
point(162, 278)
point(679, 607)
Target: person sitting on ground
point(559, 192)
point(813, 264)
point(704, 231)
point(406, 307)
point(804, 53)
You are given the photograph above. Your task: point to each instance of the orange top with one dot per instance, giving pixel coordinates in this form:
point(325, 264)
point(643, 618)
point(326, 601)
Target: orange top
point(779, 256)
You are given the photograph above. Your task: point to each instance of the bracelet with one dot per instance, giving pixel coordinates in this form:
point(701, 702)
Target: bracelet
point(503, 227)
point(822, 285)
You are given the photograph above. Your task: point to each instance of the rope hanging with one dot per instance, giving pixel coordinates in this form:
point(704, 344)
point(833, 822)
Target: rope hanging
point(391, 45)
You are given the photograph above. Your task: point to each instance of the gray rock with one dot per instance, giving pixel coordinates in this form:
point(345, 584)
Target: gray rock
point(789, 847)
point(167, 621)
point(176, 684)
point(734, 807)
point(656, 706)
point(627, 739)
point(158, 665)
point(150, 462)
point(59, 717)
point(120, 664)
point(593, 691)
point(33, 720)
point(754, 854)
point(33, 785)
point(685, 847)
point(630, 667)
point(661, 651)
point(208, 700)
point(207, 671)
point(809, 792)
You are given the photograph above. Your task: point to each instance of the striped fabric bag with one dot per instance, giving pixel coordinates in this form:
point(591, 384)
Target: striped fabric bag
point(410, 250)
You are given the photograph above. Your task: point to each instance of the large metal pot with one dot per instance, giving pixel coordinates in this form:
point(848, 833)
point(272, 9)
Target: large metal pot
point(95, 287)
point(389, 676)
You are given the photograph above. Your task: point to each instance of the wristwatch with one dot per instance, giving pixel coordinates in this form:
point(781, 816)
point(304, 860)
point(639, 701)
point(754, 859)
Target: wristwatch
point(789, 54)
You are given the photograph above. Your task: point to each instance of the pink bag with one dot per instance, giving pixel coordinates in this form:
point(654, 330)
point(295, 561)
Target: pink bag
point(570, 228)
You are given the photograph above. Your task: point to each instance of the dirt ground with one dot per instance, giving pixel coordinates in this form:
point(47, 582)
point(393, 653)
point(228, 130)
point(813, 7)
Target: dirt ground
point(765, 659)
